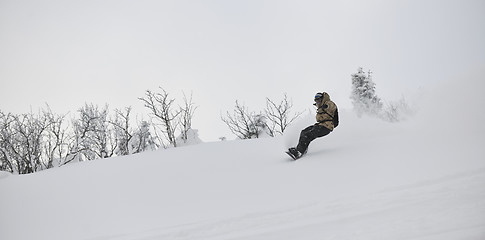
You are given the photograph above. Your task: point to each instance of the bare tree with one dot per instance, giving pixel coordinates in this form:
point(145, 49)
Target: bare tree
point(122, 130)
point(55, 140)
point(7, 160)
point(279, 115)
point(187, 113)
point(396, 111)
point(160, 106)
point(245, 124)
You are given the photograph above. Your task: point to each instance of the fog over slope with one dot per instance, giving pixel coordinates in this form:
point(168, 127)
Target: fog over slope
point(369, 179)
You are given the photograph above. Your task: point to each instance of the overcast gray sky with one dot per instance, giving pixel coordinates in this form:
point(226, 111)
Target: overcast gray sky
point(66, 53)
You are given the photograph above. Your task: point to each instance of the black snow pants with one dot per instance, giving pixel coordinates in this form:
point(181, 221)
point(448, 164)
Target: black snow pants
point(309, 134)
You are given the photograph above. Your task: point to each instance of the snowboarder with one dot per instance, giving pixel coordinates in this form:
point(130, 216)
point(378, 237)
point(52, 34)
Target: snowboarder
point(327, 120)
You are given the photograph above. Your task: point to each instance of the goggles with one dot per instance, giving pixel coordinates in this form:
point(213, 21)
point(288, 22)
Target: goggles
point(318, 96)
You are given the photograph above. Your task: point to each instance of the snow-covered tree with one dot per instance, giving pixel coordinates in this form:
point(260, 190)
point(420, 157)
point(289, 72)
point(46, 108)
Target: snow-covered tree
point(364, 97)
point(20, 146)
point(37, 141)
point(142, 139)
point(260, 126)
point(190, 137)
point(30, 142)
point(93, 134)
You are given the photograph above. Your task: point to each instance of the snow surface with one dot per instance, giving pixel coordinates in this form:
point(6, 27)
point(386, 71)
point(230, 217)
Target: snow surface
point(423, 179)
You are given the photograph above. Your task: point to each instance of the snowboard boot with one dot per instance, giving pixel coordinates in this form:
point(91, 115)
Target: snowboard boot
point(294, 153)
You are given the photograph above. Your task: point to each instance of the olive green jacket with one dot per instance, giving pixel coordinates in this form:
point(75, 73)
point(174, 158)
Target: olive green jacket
point(327, 112)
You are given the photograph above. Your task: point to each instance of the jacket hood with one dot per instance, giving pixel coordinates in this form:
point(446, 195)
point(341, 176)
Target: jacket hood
point(326, 97)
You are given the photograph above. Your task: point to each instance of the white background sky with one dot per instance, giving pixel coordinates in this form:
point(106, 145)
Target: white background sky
point(66, 53)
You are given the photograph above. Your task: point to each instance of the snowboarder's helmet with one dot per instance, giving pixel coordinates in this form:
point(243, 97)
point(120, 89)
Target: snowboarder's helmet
point(318, 96)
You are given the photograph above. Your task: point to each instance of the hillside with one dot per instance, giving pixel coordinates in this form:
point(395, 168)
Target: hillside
point(420, 179)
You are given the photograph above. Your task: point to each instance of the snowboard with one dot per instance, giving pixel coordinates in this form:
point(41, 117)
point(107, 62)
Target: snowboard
point(292, 156)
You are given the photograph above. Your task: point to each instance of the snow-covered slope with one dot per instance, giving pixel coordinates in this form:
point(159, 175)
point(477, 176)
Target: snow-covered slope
point(422, 179)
